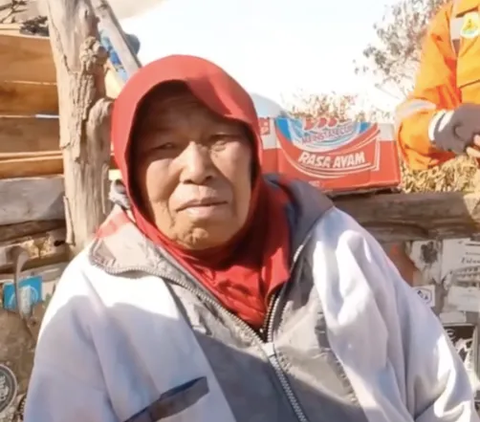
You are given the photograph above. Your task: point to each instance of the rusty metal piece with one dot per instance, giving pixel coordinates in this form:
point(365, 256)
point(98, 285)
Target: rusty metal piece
point(19, 257)
point(31, 315)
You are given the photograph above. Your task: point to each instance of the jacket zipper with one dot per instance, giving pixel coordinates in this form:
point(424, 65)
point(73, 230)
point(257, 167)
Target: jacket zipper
point(269, 346)
point(266, 343)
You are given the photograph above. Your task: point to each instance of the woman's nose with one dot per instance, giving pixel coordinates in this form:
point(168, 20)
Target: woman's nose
point(196, 164)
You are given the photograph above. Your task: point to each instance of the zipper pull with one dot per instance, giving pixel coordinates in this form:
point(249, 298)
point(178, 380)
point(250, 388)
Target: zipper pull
point(269, 349)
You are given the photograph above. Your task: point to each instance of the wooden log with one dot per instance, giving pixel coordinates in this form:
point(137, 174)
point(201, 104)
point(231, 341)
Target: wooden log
point(403, 217)
point(43, 249)
point(84, 114)
point(28, 134)
point(29, 59)
point(28, 98)
point(31, 199)
point(29, 228)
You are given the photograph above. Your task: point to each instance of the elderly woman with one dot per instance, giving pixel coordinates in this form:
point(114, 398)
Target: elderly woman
point(214, 294)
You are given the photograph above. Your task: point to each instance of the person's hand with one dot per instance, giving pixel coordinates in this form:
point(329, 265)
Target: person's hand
point(458, 130)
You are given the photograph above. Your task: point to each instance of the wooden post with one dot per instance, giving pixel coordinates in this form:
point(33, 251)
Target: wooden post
point(84, 115)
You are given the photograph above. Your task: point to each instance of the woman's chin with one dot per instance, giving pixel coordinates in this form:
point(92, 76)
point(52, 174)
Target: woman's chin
point(207, 236)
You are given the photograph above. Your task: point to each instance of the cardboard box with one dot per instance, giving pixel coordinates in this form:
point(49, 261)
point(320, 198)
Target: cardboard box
point(333, 156)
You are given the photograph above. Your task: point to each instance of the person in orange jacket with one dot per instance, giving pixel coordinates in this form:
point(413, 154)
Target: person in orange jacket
point(441, 117)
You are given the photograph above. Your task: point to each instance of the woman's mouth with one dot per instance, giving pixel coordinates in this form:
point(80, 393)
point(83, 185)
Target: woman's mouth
point(204, 203)
point(204, 209)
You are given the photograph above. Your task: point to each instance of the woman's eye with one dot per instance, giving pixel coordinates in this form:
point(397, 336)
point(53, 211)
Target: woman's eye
point(165, 146)
point(222, 139)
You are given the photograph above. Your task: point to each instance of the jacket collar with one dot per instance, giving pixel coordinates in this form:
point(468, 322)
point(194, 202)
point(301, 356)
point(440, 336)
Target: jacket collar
point(120, 247)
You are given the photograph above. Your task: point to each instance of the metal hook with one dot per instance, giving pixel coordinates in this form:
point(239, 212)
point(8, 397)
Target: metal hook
point(19, 256)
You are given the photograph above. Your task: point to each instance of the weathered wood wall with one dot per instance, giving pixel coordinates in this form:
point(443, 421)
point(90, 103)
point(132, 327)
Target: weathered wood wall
point(420, 216)
point(389, 217)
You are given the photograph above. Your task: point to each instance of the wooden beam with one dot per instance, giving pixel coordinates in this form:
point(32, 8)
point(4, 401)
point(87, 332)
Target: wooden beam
point(28, 98)
point(417, 216)
point(32, 199)
point(10, 29)
point(41, 165)
point(28, 134)
point(33, 164)
point(29, 59)
point(43, 249)
point(84, 115)
point(29, 228)
point(390, 217)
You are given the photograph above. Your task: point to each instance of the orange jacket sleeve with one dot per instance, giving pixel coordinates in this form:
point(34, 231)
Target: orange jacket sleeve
point(435, 90)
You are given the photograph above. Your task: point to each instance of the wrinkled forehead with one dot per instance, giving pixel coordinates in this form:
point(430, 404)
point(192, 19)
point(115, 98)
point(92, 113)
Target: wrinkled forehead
point(168, 103)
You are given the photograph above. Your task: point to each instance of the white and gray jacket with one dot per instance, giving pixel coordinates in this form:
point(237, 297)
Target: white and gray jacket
point(130, 336)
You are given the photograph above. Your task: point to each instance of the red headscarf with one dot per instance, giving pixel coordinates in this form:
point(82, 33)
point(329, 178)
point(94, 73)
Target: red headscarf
point(242, 274)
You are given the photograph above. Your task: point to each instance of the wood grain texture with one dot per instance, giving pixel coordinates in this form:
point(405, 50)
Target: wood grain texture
point(79, 59)
point(29, 59)
point(31, 199)
point(402, 217)
point(34, 164)
point(24, 98)
point(389, 217)
point(43, 165)
point(29, 228)
point(28, 134)
point(43, 249)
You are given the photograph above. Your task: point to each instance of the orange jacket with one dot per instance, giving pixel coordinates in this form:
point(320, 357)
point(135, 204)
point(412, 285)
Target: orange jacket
point(442, 82)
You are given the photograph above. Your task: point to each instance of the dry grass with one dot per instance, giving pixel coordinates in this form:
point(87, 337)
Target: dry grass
point(460, 174)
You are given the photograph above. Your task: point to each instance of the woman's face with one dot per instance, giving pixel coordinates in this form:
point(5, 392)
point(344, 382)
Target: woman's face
point(193, 170)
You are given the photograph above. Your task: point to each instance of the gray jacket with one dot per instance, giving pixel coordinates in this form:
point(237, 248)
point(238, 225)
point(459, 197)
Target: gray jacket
point(129, 335)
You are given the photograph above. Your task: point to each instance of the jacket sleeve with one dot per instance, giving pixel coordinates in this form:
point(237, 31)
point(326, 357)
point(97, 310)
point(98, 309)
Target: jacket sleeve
point(408, 369)
point(66, 382)
point(435, 91)
point(437, 387)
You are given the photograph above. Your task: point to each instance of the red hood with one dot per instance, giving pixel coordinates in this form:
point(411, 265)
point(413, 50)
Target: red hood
point(208, 82)
point(255, 260)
